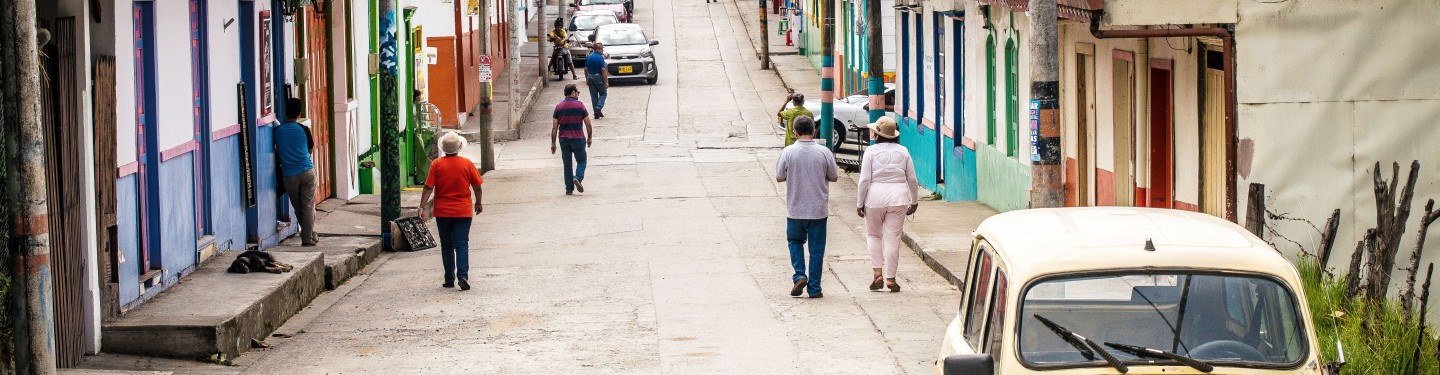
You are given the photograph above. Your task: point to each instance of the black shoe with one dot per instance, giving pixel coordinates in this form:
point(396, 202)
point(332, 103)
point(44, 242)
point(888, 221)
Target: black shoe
point(599, 114)
point(464, 285)
point(569, 193)
point(447, 285)
point(799, 287)
point(817, 295)
point(578, 186)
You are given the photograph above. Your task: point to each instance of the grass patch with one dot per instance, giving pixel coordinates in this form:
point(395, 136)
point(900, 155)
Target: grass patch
point(1378, 339)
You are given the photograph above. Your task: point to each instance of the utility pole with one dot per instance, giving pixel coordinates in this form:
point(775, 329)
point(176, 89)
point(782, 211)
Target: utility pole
point(540, 42)
point(29, 225)
point(487, 130)
point(877, 59)
point(389, 118)
point(764, 38)
point(1046, 189)
point(827, 71)
point(513, 69)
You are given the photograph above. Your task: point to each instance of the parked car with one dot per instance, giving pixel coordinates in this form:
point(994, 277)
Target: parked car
point(628, 52)
point(622, 8)
point(582, 24)
point(852, 116)
point(1109, 290)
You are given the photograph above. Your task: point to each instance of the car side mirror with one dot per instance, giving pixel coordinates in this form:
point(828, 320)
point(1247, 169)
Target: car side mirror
point(969, 364)
point(654, 42)
point(574, 5)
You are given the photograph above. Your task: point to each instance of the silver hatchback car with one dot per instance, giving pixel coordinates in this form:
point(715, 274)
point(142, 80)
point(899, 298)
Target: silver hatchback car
point(628, 53)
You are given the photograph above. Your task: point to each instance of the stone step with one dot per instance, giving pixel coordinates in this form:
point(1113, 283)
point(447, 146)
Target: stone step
point(80, 371)
point(344, 256)
point(212, 315)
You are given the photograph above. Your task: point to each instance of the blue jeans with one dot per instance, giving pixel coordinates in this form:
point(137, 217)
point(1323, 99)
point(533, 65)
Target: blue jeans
point(573, 148)
point(797, 232)
point(598, 90)
point(454, 247)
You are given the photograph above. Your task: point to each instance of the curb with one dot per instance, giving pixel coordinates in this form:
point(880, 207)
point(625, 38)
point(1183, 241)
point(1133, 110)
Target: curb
point(929, 260)
point(518, 117)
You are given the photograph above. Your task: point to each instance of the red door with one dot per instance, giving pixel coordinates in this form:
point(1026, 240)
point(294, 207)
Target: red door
point(1161, 192)
point(318, 100)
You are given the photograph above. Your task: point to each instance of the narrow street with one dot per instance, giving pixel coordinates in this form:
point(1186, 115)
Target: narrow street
point(673, 260)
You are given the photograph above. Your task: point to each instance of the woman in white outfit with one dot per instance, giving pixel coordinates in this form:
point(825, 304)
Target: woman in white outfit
point(888, 192)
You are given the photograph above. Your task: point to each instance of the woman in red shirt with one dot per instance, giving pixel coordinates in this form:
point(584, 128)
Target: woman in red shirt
point(451, 180)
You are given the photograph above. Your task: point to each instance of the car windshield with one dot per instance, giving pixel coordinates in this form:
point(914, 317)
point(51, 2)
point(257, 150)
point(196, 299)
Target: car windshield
point(1219, 319)
point(620, 36)
point(598, 2)
point(591, 21)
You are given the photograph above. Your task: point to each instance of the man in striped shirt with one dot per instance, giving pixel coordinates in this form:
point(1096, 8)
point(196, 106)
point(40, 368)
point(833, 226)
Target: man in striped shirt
point(572, 131)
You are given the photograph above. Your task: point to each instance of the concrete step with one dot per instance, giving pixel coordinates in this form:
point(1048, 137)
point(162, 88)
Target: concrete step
point(212, 315)
point(344, 256)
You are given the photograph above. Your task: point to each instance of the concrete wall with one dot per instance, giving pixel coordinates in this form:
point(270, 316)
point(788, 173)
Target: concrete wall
point(1327, 88)
point(1004, 181)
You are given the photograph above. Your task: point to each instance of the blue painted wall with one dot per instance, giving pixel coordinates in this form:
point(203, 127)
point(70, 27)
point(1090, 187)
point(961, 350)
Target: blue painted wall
point(177, 216)
point(920, 140)
point(128, 237)
point(960, 182)
point(228, 199)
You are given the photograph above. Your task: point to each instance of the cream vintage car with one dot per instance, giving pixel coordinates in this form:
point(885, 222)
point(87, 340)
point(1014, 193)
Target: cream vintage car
point(1127, 290)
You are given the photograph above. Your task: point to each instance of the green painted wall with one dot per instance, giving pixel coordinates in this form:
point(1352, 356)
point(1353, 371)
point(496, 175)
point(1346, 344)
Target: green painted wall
point(1004, 182)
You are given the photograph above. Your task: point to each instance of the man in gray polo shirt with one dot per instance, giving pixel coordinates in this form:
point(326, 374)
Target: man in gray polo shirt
point(807, 169)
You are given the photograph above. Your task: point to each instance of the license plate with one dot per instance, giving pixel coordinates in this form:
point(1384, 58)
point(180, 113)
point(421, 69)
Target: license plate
point(627, 69)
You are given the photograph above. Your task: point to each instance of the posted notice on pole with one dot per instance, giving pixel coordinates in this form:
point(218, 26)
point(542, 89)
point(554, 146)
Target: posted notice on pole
point(485, 75)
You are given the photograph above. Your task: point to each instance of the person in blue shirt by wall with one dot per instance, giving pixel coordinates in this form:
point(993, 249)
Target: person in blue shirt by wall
point(293, 144)
point(597, 77)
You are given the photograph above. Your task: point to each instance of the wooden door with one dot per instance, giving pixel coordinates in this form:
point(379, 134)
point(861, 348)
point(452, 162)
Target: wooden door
point(1124, 123)
point(1084, 125)
point(1212, 136)
point(317, 100)
point(1162, 155)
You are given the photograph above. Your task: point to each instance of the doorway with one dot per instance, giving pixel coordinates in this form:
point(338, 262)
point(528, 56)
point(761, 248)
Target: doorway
point(315, 38)
point(147, 142)
point(1085, 124)
point(1124, 127)
point(1161, 193)
point(1213, 186)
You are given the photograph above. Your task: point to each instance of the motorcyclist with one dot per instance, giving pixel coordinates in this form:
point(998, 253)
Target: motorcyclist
point(561, 40)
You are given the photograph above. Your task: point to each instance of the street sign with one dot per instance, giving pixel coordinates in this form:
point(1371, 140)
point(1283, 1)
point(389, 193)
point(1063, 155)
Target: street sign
point(485, 76)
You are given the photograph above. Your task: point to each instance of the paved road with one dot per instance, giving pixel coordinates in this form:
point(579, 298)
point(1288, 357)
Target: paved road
point(672, 262)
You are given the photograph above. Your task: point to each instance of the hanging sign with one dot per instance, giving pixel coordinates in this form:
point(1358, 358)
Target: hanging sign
point(485, 75)
point(1034, 131)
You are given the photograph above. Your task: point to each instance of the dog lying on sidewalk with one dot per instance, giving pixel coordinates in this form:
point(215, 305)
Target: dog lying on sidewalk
point(257, 261)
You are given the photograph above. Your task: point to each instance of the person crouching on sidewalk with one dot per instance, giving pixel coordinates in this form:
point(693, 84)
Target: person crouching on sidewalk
point(451, 180)
point(886, 193)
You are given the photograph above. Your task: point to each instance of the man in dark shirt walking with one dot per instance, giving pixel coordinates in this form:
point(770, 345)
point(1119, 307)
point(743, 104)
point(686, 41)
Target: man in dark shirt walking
point(293, 144)
point(572, 131)
point(597, 77)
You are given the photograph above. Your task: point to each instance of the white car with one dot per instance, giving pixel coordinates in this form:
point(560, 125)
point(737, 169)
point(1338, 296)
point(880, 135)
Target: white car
point(852, 115)
point(1113, 290)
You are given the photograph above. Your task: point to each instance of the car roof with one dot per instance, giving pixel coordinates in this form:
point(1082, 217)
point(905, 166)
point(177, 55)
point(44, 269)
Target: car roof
point(1046, 241)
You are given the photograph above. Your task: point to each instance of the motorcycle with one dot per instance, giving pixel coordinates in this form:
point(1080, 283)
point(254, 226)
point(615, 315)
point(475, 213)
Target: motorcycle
point(559, 63)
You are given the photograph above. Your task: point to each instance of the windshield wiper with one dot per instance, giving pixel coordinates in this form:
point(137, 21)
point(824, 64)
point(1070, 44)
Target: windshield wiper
point(1086, 347)
point(1141, 351)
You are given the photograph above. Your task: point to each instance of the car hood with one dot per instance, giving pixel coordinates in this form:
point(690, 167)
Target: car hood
point(579, 35)
point(627, 49)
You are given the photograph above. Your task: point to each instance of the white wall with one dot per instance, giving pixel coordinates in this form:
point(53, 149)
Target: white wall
point(224, 53)
point(1327, 88)
point(436, 16)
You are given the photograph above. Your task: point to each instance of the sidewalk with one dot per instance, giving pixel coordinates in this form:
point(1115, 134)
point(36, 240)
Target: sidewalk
point(940, 232)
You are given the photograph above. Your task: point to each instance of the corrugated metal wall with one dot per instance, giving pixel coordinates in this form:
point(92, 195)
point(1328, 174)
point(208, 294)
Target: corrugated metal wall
point(61, 110)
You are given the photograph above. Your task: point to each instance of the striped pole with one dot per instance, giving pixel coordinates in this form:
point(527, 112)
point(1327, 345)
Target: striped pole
point(876, 62)
point(827, 73)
